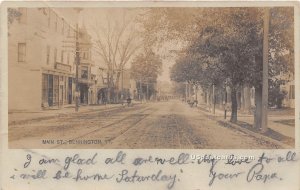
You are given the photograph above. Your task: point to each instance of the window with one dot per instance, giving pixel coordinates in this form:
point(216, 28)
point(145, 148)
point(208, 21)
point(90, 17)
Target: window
point(21, 52)
point(292, 92)
point(55, 23)
point(62, 56)
point(85, 55)
point(49, 17)
point(48, 54)
point(55, 55)
point(84, 72)
point(63, 27)
point(68, 58)
point(45, 88)
point(55, 89)
point(69, 30)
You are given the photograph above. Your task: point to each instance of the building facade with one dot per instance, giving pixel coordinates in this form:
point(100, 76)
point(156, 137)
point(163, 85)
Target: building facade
point(41, 60)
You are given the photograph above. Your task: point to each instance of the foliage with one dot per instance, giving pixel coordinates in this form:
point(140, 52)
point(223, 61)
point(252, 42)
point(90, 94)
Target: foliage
point(146, 67)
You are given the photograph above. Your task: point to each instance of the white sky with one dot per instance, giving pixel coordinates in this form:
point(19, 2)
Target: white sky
point(91, 16)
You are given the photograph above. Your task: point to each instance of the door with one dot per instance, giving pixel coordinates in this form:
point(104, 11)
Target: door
point(70, 90)
point(50, 90)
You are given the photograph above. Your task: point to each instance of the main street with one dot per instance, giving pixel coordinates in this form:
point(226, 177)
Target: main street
point(168, 125)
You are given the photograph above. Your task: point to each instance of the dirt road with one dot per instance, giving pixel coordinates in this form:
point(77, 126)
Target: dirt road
point(159, 125)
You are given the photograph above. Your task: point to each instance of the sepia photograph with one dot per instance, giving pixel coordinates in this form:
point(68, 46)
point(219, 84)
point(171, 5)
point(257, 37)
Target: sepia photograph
point(151, 77)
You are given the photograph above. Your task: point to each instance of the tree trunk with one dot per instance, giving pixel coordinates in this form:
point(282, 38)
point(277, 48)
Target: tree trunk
point(117, 86)
point(233, 106)
point(209, 99)
point(247, 100)
point(243, 99)
point(238, 99)
point(258, 107)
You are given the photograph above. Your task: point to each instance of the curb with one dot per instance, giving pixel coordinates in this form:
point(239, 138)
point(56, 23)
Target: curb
point(251, 133)
point(56, 115)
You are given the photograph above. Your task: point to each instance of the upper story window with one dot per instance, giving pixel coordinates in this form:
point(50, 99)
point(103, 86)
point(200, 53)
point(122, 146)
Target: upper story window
point(85, 55)
point(84, 72)
point(55, 54)
point(62, 56)
point(68, 58)
point(49, 17)
point(21, 52)
point(69, 30)
point(55, 23)
point(48, 54)
point(63, 27)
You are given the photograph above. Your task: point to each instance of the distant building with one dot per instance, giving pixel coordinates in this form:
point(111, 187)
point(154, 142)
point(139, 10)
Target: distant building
point(289, 88)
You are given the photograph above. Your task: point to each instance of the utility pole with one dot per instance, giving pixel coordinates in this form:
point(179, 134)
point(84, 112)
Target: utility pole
point(77, 62)
point(186, 91)
point(122, 85)
point(108, 87)
point(140, 94)
point(213, 99)
point(265, 85)
point(147, 92)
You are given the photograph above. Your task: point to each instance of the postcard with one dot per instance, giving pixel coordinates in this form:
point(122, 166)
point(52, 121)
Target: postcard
point(186, 95)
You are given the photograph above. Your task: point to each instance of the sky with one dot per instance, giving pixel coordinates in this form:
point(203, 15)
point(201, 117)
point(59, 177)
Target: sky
point(95, 18)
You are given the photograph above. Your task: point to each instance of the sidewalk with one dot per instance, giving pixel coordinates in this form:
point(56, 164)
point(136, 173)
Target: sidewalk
point(281, 123)
point(26, 115)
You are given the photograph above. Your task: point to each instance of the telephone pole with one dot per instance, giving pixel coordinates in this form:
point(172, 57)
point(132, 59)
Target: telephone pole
point(265, 85)
point(122, 84)
point(77, 62)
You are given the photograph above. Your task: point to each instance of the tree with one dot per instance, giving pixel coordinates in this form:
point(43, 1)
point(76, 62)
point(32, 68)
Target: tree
point(116, 42)
point(232, 37)
point(145, 69)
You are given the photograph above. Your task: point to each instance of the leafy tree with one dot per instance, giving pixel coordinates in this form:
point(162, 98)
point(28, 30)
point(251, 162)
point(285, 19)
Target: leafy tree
point(145, 69)
point(230, 39)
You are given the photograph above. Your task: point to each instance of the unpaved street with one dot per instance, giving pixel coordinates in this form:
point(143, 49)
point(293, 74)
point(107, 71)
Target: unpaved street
point(168, 125)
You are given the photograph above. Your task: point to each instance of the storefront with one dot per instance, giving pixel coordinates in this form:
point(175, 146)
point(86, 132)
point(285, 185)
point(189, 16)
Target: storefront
point(57, 87)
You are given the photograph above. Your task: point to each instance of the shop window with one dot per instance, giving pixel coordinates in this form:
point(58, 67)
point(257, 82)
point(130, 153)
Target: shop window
point(50, 90)
point(45, 88)
point(55, 90)
point(21, 52)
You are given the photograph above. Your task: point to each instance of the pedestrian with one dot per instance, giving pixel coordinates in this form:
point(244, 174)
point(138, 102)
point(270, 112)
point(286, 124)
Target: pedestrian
point(128, 101)
point(196, 102)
